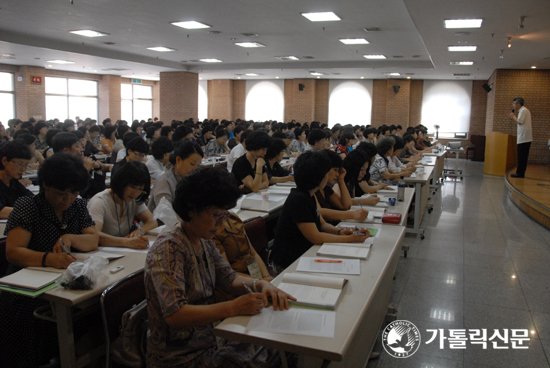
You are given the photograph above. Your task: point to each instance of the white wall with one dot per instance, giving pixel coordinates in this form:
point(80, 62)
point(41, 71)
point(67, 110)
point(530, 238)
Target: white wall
point(265, 100)
point(349, 102)
point(203, 100)
point(447, 104)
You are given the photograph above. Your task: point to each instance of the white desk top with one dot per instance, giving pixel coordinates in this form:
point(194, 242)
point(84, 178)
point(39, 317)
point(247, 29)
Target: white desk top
point(422, 178)
point(429, 161)
point(214, 161)
point(358, 295)
point(439, 154)
point(400, 207)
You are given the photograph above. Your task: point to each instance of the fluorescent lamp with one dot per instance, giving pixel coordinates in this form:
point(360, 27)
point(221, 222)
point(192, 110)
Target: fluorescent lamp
point(249, 44)
point(362, 78)
point(354, 41)
point(252, 74)
point(190, 25)
point(210, 60)
point(533, 67)
point(60, 61)
point(462, 63)
point(161, 49)
point(316, 73)
point(392, 74)
point(287, 57)
point(321, 17)
point(463, 23)
point(374, 57)
point(89, 33)
point(462, 48)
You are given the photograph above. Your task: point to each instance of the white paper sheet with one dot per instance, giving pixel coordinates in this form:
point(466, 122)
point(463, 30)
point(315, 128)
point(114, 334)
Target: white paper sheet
point(295, 321)
point(346, 267)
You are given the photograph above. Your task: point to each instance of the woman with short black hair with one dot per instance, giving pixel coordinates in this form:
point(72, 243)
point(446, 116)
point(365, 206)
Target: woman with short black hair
point(274, 155)
point(182, 270)
point(249, 169)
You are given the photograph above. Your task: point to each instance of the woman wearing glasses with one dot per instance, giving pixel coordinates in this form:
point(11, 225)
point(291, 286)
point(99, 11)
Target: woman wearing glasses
point(113, 210)
point(14, 160)
point(136, 150)
point(182, 270)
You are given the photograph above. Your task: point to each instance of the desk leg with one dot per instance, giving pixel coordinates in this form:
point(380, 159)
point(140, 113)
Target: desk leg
point(417, 211)
point(65, 336)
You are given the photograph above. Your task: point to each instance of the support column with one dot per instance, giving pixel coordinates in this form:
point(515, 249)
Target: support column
point(179, 96)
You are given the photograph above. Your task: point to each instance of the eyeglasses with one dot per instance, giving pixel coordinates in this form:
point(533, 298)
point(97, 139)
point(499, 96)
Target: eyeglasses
point(224, 215)
point(364, 168)
point(140, 155)
point(22, 165)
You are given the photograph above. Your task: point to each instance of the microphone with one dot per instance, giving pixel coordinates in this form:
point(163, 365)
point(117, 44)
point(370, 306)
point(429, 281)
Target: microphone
point(513, 110)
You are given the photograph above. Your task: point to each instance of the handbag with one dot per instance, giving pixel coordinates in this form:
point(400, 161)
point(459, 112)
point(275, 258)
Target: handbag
point(130, 347)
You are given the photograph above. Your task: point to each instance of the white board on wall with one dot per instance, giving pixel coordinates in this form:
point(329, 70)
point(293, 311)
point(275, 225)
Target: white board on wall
point(447, 104)
point(265, 100)
point(203, 100)
point(349, 102)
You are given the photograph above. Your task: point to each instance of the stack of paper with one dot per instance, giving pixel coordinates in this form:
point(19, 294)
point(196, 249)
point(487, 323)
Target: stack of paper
point(345, 250)
point(313, 291)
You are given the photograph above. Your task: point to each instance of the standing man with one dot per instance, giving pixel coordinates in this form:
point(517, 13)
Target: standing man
point(525, 134)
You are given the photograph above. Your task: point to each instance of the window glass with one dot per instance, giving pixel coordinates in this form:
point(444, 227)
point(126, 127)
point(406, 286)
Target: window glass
point(126, 110)
point(79, 87)
point(143, 91)
point(57, 86)
point(56, 107)
point(85, 107)
point(6, 82)
point(143, 109)
point(7, 111)
point(126, 91)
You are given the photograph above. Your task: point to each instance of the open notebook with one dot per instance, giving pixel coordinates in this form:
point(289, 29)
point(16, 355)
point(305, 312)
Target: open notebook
point(313, 291)
point(30, 279)
point(345, 250)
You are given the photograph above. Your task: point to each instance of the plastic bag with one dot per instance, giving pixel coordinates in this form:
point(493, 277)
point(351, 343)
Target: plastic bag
point(166, 213)
point(82, 275)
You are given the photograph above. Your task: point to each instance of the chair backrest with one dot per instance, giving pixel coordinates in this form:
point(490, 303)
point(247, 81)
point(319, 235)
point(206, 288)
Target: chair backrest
point(3, 260)
point(257, 233)
point(117, 299)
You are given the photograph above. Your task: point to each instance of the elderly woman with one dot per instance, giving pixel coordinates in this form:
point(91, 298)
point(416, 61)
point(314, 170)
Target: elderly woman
point(182, 269)
point(380, 170)
point(34, 230)
point(113, 210)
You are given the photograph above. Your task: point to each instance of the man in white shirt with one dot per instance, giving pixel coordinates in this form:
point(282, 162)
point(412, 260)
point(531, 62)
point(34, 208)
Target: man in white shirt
point(525, 135)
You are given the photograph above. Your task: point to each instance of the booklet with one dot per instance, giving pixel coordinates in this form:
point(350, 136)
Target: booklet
point(329, 265)
point(83, 256)
point(30, 279)
point(386, 191)
point(345, 250)
point(313, 291)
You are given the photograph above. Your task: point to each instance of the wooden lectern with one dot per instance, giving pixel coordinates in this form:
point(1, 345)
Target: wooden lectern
point(500, 153)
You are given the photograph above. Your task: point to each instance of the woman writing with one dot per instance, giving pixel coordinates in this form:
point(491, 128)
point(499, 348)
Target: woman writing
point(114, 210)
point(182, 269)
point(34, 230)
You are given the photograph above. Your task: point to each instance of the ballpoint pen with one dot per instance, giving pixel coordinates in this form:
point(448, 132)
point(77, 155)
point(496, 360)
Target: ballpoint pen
point(248, 288)
point(65, 248)
point(139, 228)
point(327, 261)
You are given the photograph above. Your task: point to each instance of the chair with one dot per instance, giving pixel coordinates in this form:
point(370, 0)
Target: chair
point(3, 260)
point(257, 233)
point(116, 300)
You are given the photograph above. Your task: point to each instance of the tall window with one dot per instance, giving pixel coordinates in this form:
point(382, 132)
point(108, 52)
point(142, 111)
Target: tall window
point(137, 102)
point(7, 98)
point(69, 98)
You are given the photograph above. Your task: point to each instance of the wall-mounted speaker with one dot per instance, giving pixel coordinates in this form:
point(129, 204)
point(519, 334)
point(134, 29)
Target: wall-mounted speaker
point(301, 87)
point(487, 88)
point(396, 88)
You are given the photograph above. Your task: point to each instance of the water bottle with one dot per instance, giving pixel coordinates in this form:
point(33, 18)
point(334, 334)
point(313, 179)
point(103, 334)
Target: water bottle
point(401, 190)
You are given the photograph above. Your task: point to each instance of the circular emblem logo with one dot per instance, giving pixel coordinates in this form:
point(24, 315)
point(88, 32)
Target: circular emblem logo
point(401, 339)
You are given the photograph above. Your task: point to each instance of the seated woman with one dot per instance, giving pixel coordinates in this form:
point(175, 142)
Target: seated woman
point(356, 165)
point(49, 137)
point(217, 147)
point(300, 225)
point(185, 159)
point(299, 143)
point(344, 143)
point(109, 139)
point(162, 148)
point(182, 269)
point(366, 185)
point(235, 247)
point(36, 157)
point(334, 206)
point(407, 153)
point(249, 170)
point(114, 210)
point(237, 151)
point(136, 150)
point(379, 171)
point(40, 130)
point(34, 229)
point(274, 155)
point(14, 159)
point(394, 163)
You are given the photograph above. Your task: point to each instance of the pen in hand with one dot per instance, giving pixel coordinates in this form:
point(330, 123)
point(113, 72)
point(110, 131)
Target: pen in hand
point(65, 248)
point(139, 227)
point(247, 288)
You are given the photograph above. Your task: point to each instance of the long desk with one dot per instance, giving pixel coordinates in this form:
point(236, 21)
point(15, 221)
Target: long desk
point(439, 164)
point(422, 191)
point(359, 313)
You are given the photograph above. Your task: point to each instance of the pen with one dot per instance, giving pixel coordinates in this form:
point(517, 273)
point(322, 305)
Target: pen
point(139, 228)
point(247, 288)
point(65, 248)
point(327, 261)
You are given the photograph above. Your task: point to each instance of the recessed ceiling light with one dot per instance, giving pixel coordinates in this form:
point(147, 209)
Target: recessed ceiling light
point(392, 74)
point(210, 60)
point(463, 23)
point(462, 63)
point(60, 61)
point(95, 71)
point(321, 17)
point(89, 33)
point(252, 74)
point(276, 77)
point(462, 48)
point(318, 77)
point(533, 67)
point(316, 73)
point(49, 66)
point(200, 78)
point(408, 77)
point(354, 41)
point(238, 77)
point(374, 57)
point(249, 44)
point(190, 25)
point(362, 78)
point(287, 58)
point(161, 49)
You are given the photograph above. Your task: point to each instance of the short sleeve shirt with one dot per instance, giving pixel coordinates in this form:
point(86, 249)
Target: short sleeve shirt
point(103, 209)
point(8, 195)
point(276, 171)
point(165, 186)
point(175, 275)
point(378, 168)
point(525, 130)
point(242, 168)
point(290, 243)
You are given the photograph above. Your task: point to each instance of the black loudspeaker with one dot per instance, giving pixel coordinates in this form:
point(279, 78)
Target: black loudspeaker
point(396, 88)
point(301, 87)
point(487, 88)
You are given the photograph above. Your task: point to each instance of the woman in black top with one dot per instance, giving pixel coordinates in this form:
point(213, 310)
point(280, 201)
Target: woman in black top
point(14, 159)
point(249, 169)
point(300, 225)
point(275, 153)
point(356, 164)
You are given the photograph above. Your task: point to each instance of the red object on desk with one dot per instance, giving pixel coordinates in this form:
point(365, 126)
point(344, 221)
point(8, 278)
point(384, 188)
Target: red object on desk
point(391, 218)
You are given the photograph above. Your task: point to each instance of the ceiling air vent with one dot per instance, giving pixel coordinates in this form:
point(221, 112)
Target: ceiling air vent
point(308, 57)
point(397, 56)
point(114, 69)
point(250, 34)
point(109, 43)
point(372, 29)
point(461, 74)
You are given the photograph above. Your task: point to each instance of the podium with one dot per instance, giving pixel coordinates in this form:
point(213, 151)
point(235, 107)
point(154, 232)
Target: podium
point(500, 153)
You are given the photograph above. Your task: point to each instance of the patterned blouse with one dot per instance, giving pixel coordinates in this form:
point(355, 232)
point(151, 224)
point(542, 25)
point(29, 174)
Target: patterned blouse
point(378, 168)
point(212, 149)
point(176, 276)
point(296, 146)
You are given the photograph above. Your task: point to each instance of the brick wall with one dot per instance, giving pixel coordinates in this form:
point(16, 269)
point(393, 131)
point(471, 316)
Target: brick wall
point(179, 96)
point(534, 87)
point(220, 99)
point(379, 99)
point(30, 99)
point(490, 110)
point(239, 99)
point(321, 100)
point(415, 104)
point(478, 109)
point(109, 98)
point(300, 105)
point(397, 104)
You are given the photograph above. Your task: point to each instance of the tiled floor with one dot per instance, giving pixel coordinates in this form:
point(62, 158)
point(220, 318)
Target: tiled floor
point(483, 264)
